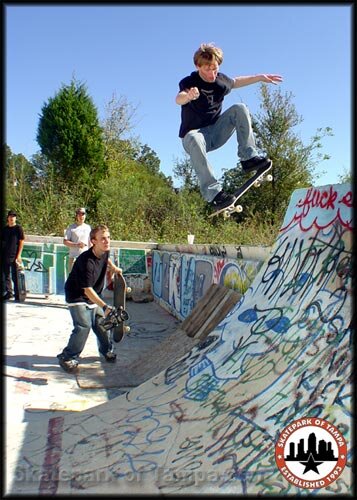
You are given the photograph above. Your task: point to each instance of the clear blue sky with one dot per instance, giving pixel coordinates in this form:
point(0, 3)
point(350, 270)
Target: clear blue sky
point(141, 52)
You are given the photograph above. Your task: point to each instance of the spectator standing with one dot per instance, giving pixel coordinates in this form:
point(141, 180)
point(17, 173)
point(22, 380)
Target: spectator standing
point(13, 239)
point(76, 236)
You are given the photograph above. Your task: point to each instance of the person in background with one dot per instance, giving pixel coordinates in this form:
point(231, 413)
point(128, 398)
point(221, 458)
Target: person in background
point(83, 288)
point(13, 239)
point(205, 128)
point(76, 236)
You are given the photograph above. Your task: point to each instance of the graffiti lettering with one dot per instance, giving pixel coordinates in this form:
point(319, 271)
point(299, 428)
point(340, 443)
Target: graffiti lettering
point(180, 281)
point(319, 208)
point(32, 262)
point(218, 251)
point(316, 198)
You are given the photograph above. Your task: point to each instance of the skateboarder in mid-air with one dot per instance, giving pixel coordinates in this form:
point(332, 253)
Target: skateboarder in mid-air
point(205, 128)
point(82, 292)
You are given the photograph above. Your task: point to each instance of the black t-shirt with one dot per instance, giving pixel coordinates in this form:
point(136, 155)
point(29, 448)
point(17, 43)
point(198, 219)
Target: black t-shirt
point(87, 271)
point(206, 109)
point(11, 235)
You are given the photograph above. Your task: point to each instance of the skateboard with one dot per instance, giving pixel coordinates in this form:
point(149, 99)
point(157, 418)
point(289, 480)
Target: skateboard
point(261, 175)
point(119, 300)
point(21, 282)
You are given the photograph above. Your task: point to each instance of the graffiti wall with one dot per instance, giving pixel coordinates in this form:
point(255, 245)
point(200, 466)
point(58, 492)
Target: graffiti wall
point(179, 280)
point(46, 267)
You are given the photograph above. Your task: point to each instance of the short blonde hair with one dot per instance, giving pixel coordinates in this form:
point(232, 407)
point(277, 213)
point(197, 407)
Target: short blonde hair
point(207, 54)
point(96, 230)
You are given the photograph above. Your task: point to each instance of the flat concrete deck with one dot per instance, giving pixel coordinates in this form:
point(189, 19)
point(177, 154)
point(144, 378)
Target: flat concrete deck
point(37, 389)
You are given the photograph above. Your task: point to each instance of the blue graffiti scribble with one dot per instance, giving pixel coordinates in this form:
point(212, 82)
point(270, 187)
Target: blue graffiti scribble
point(202, 381)
point(248, 316)
point(200, 366)
point(302, 279)
point(279, 325)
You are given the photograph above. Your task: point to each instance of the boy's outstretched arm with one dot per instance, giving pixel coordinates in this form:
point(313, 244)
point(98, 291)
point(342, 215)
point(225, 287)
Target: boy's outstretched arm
point(242, 81)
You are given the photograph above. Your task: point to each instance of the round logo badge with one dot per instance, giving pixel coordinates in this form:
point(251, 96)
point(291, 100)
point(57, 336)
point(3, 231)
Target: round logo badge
point(311, 453)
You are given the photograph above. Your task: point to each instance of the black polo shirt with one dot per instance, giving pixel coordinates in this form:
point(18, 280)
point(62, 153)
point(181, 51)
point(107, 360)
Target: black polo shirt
point(87, 271)
point(11, 236)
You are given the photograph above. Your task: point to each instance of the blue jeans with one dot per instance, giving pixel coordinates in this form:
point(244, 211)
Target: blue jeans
point(9, 272)
point(197, 143)
point(84, 319)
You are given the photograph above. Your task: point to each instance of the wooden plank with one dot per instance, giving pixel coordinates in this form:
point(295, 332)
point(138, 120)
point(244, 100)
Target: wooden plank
point(218, 315)
point(209, 311)
point(205, 307)
point(199, 308)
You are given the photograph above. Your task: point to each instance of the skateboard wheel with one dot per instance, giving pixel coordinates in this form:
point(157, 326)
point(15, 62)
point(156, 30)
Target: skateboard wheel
point(256, 184)
point(127, 329)
point(128, 290)
point(269, 177)
point(239, 208)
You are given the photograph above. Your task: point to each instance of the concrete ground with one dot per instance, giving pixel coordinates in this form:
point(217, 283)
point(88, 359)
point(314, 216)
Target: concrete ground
point(36, 388)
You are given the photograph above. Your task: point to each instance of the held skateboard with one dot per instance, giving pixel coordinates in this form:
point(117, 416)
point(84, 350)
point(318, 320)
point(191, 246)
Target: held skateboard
point(119, 300)
point(21, 282)
point(261, 175)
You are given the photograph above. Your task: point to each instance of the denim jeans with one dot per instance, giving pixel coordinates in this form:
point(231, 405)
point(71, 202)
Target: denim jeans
point(197, 143)
point(85, 318)
point(9, 272)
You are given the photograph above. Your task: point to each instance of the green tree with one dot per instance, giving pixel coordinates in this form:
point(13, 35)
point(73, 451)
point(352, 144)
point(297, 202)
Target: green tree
point(20, 177)
point(44, 202)
point(345, 177)
point(117, 125)
point(294, 162)
point(149, 158)
point(53, 198)
point(184, 170)
point(70, 136)
point(118, 119)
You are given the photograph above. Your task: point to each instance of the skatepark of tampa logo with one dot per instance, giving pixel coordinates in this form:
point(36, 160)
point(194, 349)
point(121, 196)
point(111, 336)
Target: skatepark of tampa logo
point(311, 453)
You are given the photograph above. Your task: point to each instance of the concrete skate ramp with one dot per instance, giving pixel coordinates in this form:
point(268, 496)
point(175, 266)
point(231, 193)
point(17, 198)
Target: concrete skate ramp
point(160, 357)
point(209, 423)
point(207, 313)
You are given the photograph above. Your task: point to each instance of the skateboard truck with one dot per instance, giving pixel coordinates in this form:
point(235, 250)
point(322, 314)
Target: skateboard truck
point(116, 316)
point(266, 178)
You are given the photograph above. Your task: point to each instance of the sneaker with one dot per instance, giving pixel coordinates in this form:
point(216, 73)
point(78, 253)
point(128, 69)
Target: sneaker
point(7, 296)
point(69, 365)
point(254, 163)
point(110, 357)
point(222, 200)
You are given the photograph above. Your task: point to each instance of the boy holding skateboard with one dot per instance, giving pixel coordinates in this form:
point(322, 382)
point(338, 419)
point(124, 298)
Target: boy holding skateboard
point(13, 240)
point(205, 128)
point(82, 292)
